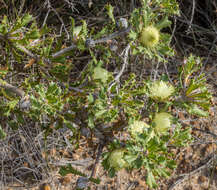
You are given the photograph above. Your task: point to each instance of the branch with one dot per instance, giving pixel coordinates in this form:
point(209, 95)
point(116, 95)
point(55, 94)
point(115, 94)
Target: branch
point(207, 132)
point(125, 62)
point(62, 51)
point(24, 102)
point(92, 43)
point(28, 52)
point(11, 88)
point(123, 67)
point(99, 153)
point(89, 43)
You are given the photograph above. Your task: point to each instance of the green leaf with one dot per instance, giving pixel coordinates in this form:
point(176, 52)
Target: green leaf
point(99, 113)
point(162, 172)
point(150, 180)
point(2, 133)
point(110, 10)
point(192, 87)
point(90, 98)
point(171, 164)
point(4, 25)
point(34, 34)
point(130, 158)
point(195, 110)
point(163, 23)
point(26, 19)
point(132, 35)
point(111, 172)
point(69, 169)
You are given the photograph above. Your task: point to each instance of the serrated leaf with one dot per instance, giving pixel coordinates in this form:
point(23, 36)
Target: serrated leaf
point(110, 10)
point(132, 35)
point(195, 110)
point(130, 158)
point(163, 23)
point(111, 172)
point(26, 19)
point(150, 180)
point(34, 34)
point(163, 172)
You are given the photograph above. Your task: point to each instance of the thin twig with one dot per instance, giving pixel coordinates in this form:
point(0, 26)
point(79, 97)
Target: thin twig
point(125, 63)
point(92, 43)
point(192, 16)
point(62, 51)
point(99, 153)
point(126, 50)
point(11, 88)
point(29, 53)
point(64, 162)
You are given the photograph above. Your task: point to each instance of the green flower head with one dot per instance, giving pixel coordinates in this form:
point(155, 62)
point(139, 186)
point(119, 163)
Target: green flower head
point(116, 160)
point(162, 122)
point(101, 74)
point(149, 36)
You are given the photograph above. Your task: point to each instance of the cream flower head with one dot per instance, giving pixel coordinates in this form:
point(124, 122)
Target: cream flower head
point(138, 127)
point(161, 90)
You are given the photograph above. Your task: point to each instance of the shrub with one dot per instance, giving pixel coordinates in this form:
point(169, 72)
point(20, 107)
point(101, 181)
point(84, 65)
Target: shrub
point(97, 99)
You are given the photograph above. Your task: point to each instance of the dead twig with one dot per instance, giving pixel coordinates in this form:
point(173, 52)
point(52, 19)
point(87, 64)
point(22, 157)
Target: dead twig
point(99, 153)
point(11, 88)
point(126, 50)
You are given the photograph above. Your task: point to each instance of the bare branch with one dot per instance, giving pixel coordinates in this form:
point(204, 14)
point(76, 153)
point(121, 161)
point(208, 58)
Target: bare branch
point(11, 88)
point(126, 50)
point(62, 51)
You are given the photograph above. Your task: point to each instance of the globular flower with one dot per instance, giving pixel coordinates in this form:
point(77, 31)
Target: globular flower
point(161, 90)
point(100, 74)
point(162, 122)
point(116, 160)
point(150, 36)
point(138, 127)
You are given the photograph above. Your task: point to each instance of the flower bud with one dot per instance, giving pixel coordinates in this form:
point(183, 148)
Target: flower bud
point(162, 122)
point(100, 74)
point(149, 36)
point(116, 160)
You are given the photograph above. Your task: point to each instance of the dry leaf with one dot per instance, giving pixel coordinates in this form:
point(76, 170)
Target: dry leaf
point(45, 187)
point(30, 63)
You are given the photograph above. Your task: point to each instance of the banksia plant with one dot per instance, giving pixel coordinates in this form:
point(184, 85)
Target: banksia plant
point(150, 36)
point(162, 122)
point(161, 91)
